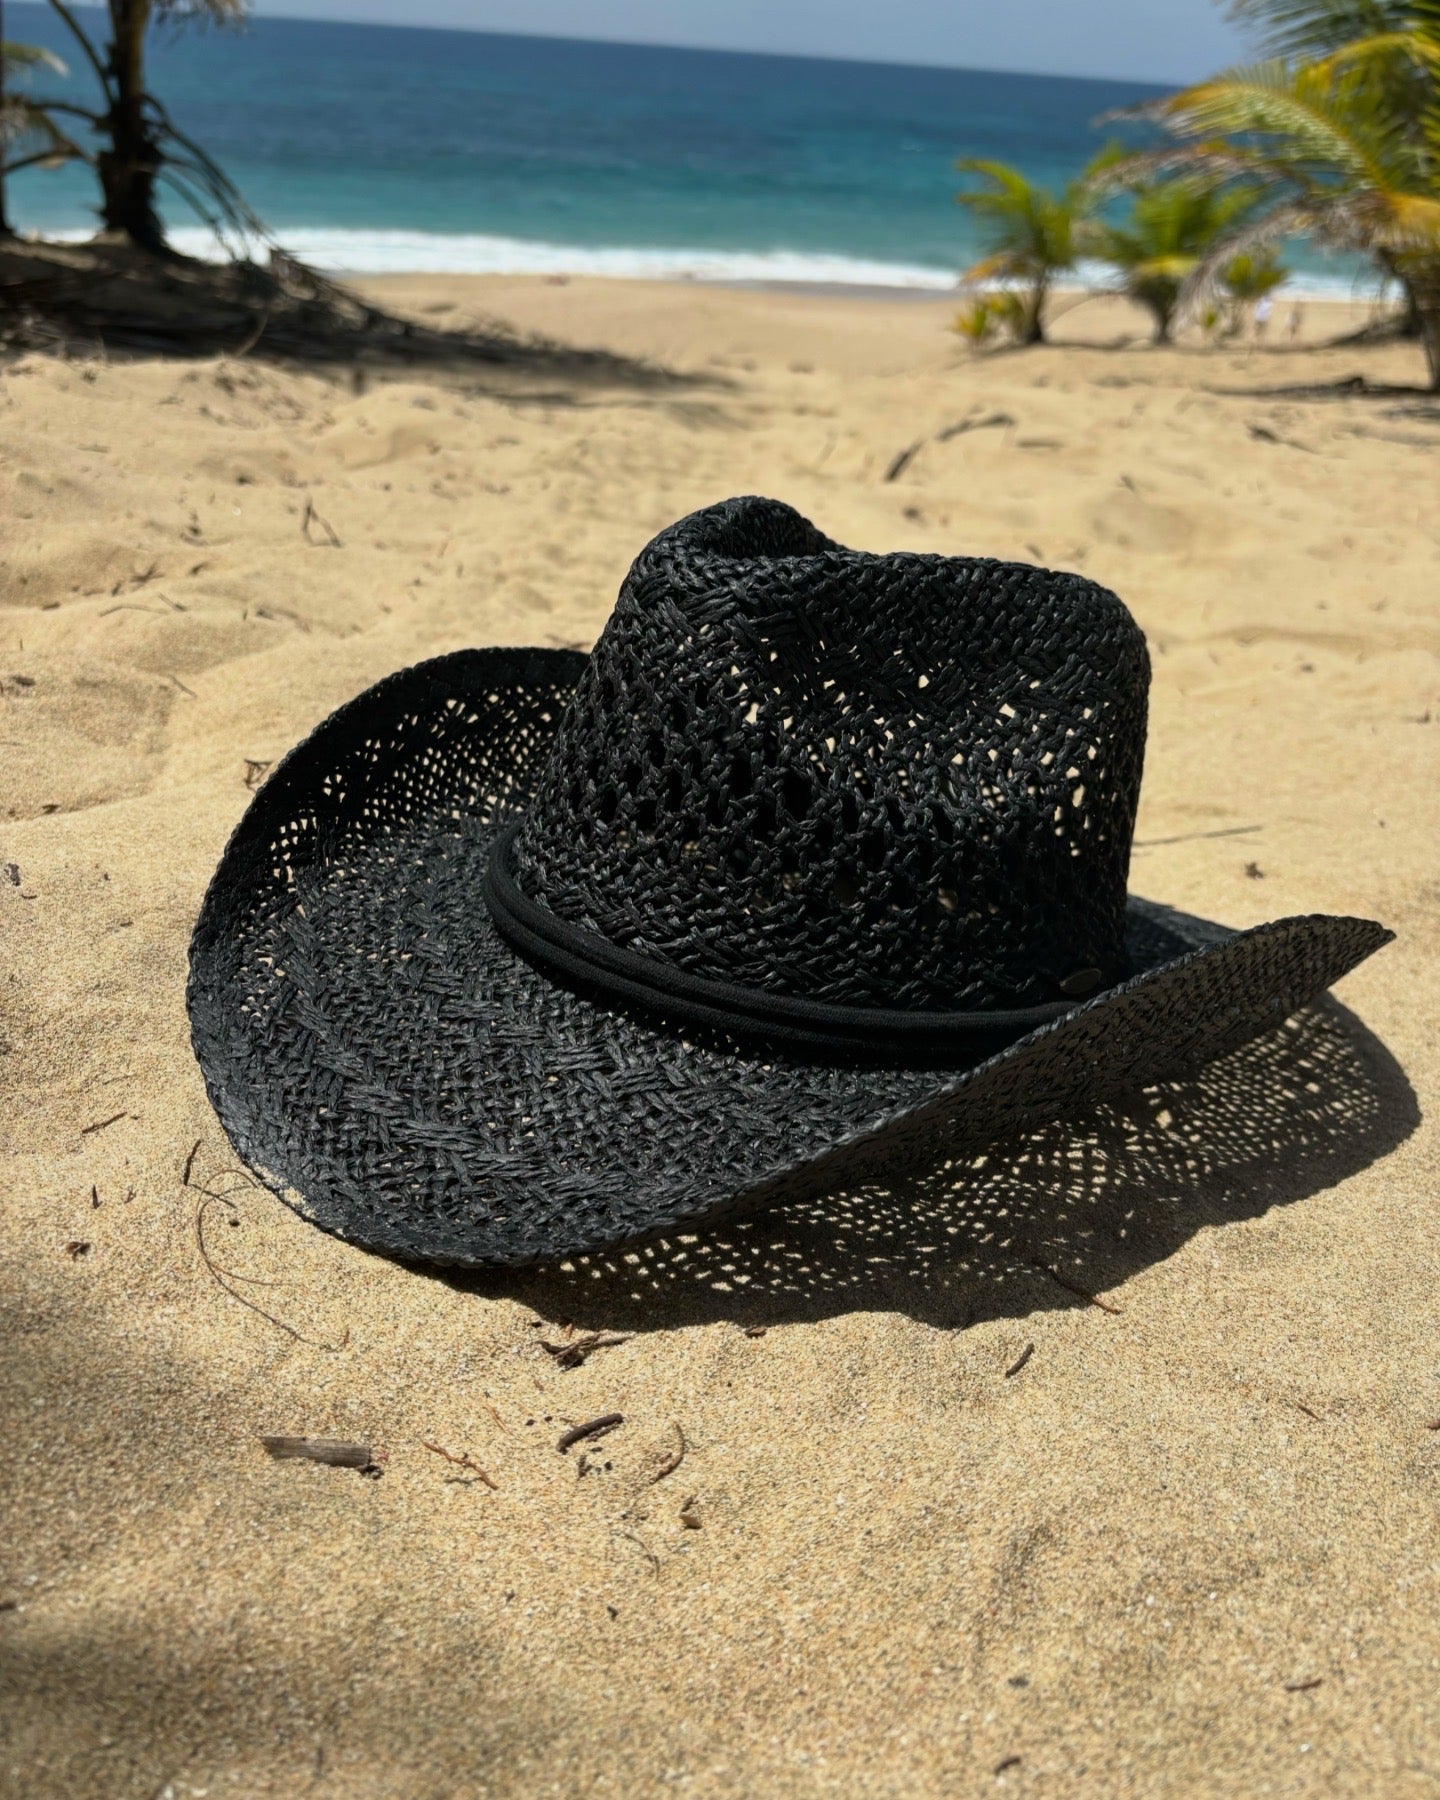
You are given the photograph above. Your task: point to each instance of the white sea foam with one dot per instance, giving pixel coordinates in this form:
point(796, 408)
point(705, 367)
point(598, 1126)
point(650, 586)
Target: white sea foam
point(345, 251)
point(1300, 284)
point(433, 253)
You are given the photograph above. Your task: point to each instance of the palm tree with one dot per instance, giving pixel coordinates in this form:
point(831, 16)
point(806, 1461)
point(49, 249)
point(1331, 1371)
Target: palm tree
point(1334, 155)
point(1172, 224)
point(1384, 41)
point(26, 124)
point(1247, 278)
point(1031, 235)
point(140, 143)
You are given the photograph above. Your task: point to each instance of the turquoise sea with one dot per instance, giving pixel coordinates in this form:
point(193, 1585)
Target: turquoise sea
point(370, 148)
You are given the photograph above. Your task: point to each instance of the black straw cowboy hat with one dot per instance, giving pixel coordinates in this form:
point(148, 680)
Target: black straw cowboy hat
point(815, 866)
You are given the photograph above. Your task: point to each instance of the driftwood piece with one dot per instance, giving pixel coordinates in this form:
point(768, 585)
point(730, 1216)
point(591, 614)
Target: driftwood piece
point(334, 1451)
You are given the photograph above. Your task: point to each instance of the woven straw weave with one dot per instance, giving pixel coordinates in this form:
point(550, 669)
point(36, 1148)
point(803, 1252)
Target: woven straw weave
point(904, 781)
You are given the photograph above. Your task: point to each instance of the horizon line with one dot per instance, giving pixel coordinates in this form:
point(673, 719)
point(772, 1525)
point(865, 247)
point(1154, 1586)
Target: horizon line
point(176, 25)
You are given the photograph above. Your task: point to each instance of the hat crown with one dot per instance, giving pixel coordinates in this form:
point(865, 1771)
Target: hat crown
point(900, 781)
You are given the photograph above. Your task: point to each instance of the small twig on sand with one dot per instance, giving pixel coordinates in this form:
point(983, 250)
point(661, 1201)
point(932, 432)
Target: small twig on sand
point(100, 1124)
point(1071, 1288)
point(571, 1355)
point(190, 1163)
point(973, 424)
point(1020, 1361)
point(675, 1458)
point(311, 517)
point(1192, 837)
point(1267, 436)
point(634, 1538)
point(902, 461)
point(1304, 1687)
point(592, 1428)
point(905, 457)
point(463, 1461)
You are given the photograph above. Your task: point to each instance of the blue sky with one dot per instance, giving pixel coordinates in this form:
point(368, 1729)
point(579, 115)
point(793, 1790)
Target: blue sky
point(1145, 40)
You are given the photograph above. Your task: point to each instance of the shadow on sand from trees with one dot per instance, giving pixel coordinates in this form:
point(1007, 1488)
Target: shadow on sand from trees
point(105, 298)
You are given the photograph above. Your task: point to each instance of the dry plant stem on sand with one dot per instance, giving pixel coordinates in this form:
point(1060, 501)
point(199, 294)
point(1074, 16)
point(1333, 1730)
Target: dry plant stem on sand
point(242, 1181)
point(463, 1461)
point(572, 1354)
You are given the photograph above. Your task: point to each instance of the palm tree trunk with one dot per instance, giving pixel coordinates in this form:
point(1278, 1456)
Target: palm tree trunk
point(6, 230)
point(1034, 332)
point(128, 163)
point(1427, 307)
point(1411, 325)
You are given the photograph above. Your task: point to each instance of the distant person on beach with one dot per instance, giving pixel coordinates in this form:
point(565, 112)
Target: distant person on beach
point(1293, 323)
point(1262, 316)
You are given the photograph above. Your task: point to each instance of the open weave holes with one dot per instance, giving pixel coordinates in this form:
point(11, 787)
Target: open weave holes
point(902, 781)
point(392, 1068)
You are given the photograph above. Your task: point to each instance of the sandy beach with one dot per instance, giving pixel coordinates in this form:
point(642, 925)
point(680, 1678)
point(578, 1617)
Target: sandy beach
point(1113, 1469)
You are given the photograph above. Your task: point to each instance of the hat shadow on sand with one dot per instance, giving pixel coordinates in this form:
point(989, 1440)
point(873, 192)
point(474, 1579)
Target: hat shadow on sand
point(1048, 1219)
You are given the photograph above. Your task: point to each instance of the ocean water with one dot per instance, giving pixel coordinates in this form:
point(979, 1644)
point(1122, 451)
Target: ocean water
point(372, 148)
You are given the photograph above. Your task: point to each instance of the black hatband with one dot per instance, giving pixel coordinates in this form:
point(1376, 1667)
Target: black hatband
point(567, 949)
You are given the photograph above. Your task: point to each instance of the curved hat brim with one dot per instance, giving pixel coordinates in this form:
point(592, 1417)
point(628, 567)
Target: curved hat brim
point(393, 1070)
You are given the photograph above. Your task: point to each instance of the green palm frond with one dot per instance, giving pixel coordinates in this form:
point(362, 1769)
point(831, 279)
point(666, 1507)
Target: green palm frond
point(1386, 48)
point(1302, 29)
point(26, 124)
point(18, 57)
point(1413, 223)
point(1304, 118)
point(1252, 274)
point(1174, 266)
point(202, 12)
point(1259, 238)
point(1029, 229)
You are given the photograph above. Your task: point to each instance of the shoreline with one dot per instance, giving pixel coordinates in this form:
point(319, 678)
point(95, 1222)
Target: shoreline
point(822, 273)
